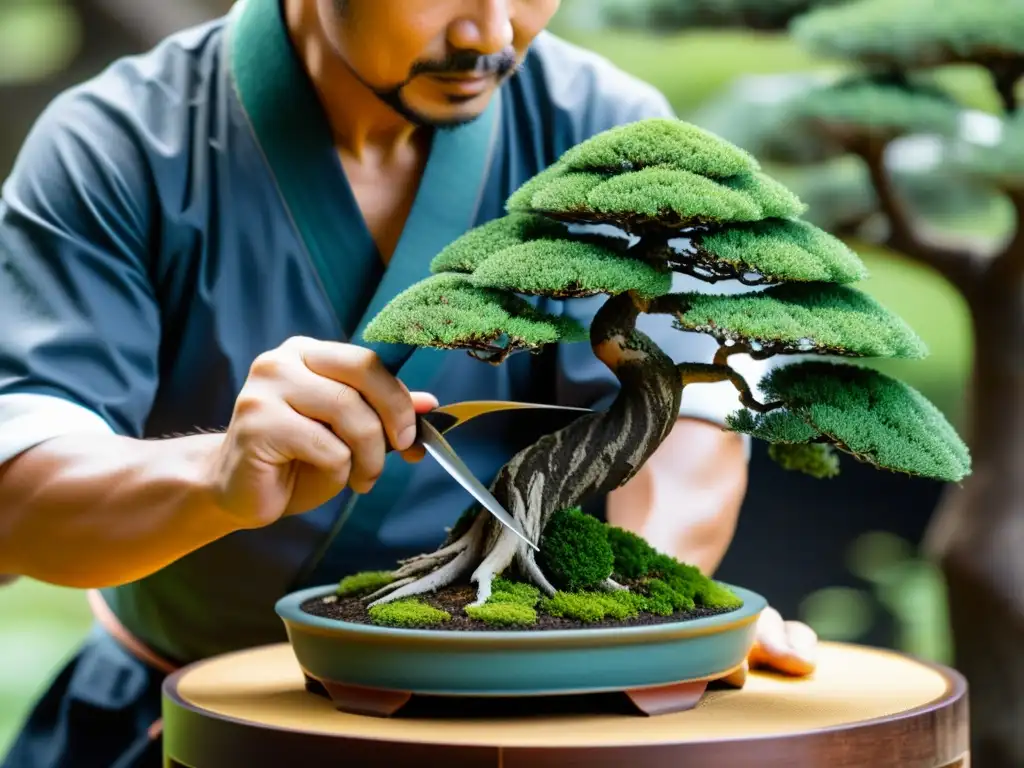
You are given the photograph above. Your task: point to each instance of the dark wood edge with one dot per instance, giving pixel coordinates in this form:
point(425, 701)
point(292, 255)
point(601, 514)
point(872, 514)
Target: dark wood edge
point(934, 735)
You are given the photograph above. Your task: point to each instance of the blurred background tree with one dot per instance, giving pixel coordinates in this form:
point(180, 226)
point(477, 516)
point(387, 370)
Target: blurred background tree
point(891, 150)
point(852, 567)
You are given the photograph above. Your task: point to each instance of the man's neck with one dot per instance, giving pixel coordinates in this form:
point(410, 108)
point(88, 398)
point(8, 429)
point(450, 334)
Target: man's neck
point(364, 127)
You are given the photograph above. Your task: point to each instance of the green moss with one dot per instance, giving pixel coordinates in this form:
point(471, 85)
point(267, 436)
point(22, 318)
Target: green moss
point(664, 142)
point(715, 596)
point(804, 317)
point(407, 613)
point(819, 460)
point(771, 196)
point(449, 312)
point(467, 252)
point(872, 416)
point(565, 268)
point(661, 599)
point(517, 592)
point(503, 614)
point(785, 250)
point(574, 550)
point(364, 583)
point(592, 606)
point(633, 555)
point(914, 33)
point(879, 107)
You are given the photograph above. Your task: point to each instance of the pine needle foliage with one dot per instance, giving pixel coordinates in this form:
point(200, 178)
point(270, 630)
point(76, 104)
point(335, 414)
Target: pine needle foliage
point(803, 317)
point(567, 268)
point(870, 415)
point(449, 312)
point(784, 250)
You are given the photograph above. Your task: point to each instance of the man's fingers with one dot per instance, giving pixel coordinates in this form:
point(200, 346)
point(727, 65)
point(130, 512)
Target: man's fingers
point(423, 402)
point(343, 409)
point(789, 647)
point(362, 369)
point(298, 438)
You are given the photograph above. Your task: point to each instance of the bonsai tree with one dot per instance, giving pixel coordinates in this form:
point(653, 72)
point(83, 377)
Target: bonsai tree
point(677, 200)
point(895, 52)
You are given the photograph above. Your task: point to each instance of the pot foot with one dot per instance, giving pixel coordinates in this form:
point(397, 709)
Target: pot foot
point(355, 700)
point(664, 699)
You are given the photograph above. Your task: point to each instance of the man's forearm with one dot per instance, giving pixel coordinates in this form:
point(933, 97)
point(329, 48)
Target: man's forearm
point(92, 510)
point(686, 499)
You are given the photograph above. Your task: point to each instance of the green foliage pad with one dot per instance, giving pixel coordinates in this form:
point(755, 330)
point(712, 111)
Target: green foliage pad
point(803, 317)
point(783, 250)
point(662, 142)
point(566, 268)
point(886, 108)
point(469, 251)
point(915, 33)
point(449, 312)
point(866, 413)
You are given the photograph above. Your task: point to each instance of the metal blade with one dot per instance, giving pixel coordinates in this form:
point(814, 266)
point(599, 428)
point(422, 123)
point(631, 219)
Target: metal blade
point(447, 417)
point(438, 447)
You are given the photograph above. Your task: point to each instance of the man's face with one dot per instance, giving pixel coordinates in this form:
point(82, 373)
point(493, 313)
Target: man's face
point(436, 62)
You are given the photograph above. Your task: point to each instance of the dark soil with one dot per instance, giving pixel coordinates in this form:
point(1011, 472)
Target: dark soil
point(454, 598)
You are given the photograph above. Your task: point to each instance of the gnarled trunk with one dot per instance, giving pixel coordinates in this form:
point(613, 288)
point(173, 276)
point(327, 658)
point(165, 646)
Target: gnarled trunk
point(977, 535)
point(593, 455)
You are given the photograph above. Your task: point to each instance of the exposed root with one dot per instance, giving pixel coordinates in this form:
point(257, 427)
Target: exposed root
point(389, 588)
point(498, 559)
point(471, 543)
point(535, 574)
point(613, 586)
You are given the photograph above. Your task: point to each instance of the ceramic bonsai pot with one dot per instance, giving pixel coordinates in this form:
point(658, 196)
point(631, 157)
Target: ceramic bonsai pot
point(376, 669)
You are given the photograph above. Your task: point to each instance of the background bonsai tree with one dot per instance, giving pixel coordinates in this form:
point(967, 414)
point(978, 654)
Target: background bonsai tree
point(678, 200)
point(895, 91)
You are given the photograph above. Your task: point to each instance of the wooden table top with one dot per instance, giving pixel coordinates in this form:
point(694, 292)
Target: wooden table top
point(863, 706)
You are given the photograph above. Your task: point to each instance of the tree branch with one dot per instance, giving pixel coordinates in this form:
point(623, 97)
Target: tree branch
point(709, 373)
point(1009, 265)
point(958, 265)
point(1004, 79)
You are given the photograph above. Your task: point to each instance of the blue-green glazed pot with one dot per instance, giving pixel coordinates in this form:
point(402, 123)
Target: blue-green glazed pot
point(522, 662)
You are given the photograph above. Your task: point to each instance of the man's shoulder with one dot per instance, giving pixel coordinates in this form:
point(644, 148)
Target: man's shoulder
point(139, 97)
point(583, 92)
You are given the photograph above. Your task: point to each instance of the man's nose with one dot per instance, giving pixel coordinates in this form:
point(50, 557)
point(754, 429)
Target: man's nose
point(486, 29)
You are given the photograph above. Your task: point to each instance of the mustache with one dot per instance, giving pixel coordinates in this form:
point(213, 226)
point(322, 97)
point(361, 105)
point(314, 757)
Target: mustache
point(464, 62)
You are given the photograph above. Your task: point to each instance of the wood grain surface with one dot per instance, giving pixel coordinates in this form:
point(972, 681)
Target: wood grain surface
point(862, 707)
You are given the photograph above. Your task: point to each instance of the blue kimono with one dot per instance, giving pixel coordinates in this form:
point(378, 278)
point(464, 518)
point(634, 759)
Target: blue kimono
point(184, 211)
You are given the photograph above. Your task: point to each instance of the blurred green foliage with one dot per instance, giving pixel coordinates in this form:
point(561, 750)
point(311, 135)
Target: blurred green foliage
point(41, 625)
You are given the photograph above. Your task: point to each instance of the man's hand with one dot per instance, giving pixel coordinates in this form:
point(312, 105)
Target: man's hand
point(312, 418)
point(788, 647)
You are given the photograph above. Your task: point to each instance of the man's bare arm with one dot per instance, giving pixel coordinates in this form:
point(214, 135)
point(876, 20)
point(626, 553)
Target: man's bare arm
point(686, 499)
point(95, 510)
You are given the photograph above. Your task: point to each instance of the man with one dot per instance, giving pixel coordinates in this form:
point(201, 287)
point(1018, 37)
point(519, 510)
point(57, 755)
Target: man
point(190, 246)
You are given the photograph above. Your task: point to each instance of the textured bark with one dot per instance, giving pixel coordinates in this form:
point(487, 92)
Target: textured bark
point(977, 534)
point(592, 456)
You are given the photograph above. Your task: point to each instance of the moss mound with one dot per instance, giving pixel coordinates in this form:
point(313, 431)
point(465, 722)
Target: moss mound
point(410, 613)
point(874, 417)
point(449, 312)
point(364, 583)
point(915, 33)
point(803, 317)
point(784, 249)
point(566, 268)
point(503, 614)
point(574, 551)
